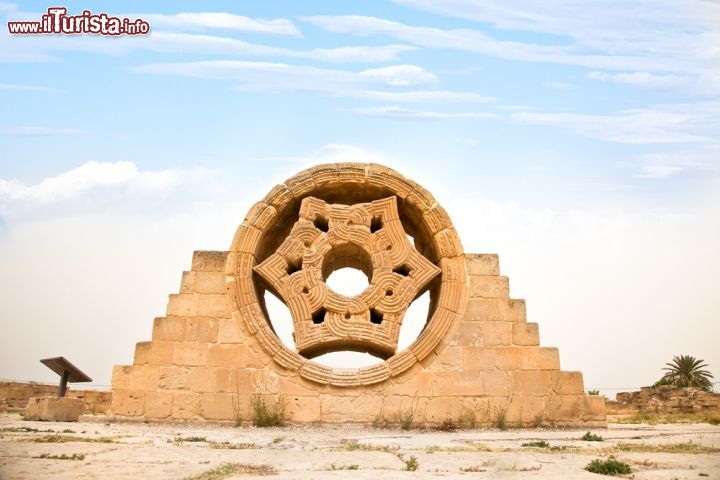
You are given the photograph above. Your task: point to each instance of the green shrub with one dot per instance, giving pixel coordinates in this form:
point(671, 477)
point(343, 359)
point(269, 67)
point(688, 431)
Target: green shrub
point(537, 444)
point(406, 419)
point(448, 425)
point(593, 392)
point(74, 456)
point(591, 437)
point(265, 415)
point(608, 467)
point(412, 464)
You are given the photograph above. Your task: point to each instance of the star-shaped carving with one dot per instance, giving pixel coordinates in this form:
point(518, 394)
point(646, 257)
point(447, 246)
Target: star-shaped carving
point(327, 237)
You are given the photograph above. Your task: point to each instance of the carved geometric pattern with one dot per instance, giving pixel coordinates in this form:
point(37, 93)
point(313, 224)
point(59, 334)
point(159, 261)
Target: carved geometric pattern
point(366, 236)
point(265, 226)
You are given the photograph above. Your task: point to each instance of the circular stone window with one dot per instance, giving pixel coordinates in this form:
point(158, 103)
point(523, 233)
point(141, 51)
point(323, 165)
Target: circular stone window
point(336, 217)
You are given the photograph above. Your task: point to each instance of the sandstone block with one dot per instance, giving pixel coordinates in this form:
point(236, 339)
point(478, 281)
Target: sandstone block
point(209, 282)
point(191, 354)
point(567, 383)
point(186, 283)
point(144, 378)
point(564, 408)
point(153, 353)
point(496, 383)
point(479, 358)
point(54, 409)
point(594, 407)
point(530, 409)
point(232, 356)
point(182, 305)
point(303, 409)
point(496, 333)
point(171, 329)
point(525, 334)
point(128, 403)
point(489, 286)
point(231, 330)
point(517, 310)
point(209, 261)
point(482, 264)
point(419, 384)
point(468, 334)
point(186, 405)
point(203, 330)
point(439, 409)
point(213, 305)
point(495, 310)
point(175, 378)
point(531, 382)
point(121, 377)
point(218, 406)
point(158, 405)
point(449, 360)
point(349, 409)
point(509, 358)
point(452, 384)
point(540, 358)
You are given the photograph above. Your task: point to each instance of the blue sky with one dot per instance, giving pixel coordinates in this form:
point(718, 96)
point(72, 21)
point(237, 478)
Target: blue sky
point(567, 129)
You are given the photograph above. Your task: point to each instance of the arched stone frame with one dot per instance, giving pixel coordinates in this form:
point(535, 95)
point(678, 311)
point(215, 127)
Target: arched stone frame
point(269, 222)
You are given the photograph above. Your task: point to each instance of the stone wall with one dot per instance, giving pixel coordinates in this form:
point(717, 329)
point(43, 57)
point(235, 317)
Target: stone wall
point(666, 399)
point(214, 352)
point(15, 395)
point(203, 364)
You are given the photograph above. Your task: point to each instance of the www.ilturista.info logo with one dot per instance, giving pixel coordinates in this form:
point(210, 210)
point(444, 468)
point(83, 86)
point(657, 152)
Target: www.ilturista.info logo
point(58, 21)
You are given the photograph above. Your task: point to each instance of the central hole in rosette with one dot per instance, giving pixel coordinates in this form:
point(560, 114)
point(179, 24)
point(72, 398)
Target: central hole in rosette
point(347, 269)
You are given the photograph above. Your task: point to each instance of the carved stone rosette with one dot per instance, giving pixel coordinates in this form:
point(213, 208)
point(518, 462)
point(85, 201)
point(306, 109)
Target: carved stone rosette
point(367, 236)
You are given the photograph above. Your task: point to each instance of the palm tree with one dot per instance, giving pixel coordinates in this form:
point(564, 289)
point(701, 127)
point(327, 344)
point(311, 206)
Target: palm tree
point(687, 371)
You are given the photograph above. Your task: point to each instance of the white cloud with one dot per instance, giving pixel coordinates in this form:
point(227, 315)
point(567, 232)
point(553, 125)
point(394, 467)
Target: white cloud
point(427, 96)
point(37, 131)
point(671, 37)
point(92, 187)
point(167, 42)
point(705, 83)
point(220, 20)
point(338, 153)
point(681, 123)
point(395, 111)
point(669, 164)
point(29, 88)
point(41, 48)
point(264, 76)
point(71, 183)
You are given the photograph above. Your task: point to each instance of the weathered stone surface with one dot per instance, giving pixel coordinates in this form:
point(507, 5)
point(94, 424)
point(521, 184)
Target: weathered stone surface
point(158, 405)
point(128, 403)
point(191, 354)
point(208, 261)
point(476, 356)
point(54, 409)
point(667, 399)
point(203, 330)
point(482, 264)
point(154, 353)
point(489, 286)
point(525, 334)
point(496, 333)
point(171, 329)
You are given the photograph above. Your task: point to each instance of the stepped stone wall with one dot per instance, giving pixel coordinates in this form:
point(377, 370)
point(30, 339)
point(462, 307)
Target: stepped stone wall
point(14, 396)
point(477, 358)
point(666, 399)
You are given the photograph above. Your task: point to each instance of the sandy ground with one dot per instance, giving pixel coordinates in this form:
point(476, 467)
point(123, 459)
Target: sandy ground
point(165, 451)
